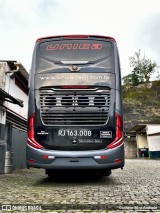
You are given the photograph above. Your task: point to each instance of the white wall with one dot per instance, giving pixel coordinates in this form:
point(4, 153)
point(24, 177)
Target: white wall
point(142, 141)
point(16, 92)
point(153, 140)
point(2, 116)
point(152, 128)
point(154, 143)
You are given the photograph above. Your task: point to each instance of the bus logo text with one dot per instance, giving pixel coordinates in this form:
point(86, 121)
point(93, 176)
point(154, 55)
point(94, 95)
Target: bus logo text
point(84, 46)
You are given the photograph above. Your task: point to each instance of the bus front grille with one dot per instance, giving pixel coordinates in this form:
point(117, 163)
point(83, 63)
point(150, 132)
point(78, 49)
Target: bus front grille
point(74, 107)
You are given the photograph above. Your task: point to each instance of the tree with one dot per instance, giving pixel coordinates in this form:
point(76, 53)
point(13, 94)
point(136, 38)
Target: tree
point(127, 79)
point(131, 79)
point(142, 70)
point(142, 67)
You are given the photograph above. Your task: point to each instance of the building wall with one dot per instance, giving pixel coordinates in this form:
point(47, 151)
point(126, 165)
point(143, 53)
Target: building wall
point(2, 122)
point(17, 144)
point(19, 139)
point(2, 75)
point(142, 141)
point(154, 143)
point(15, 91)
point(150, 141)
point(153, 140)
point(130, 146)
point(2, 139)
point(2, 158)
point(152, 128)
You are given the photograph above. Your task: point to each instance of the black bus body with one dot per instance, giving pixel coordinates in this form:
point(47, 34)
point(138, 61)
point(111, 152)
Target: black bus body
point(75, 105)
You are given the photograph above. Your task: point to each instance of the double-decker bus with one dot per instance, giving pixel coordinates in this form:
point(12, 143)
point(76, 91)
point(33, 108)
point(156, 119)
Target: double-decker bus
point(75, 105)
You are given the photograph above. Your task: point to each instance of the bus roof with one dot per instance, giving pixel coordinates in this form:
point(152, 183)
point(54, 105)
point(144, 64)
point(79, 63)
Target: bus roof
point(76, 36)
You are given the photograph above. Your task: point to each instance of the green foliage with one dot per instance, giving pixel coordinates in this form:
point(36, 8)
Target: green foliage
point(146, 94)
point(131, 79)
point(135, 79)
point(127, 79)
point(142, 70)
point(141, 104)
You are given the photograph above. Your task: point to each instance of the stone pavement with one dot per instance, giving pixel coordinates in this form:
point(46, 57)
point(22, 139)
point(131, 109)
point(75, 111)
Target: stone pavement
point(135, 187)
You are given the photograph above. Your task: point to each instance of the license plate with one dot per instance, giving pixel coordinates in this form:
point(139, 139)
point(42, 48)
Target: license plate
point(74, 132)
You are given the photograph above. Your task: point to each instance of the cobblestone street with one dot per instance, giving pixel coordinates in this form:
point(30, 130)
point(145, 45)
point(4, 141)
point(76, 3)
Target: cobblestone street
point(137, 184)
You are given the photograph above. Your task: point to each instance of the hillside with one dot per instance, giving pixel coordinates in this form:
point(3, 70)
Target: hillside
point(141, 104)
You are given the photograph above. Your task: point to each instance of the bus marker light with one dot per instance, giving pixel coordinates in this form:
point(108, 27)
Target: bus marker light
point(31, 161)
point(104, 157)
point(118, 160)
point(45, 156)
point(75, 87)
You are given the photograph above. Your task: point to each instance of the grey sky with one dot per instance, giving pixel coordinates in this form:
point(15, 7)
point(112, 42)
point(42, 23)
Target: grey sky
point(133, 23)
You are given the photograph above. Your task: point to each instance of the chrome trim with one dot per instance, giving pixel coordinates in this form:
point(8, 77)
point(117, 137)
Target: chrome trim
point(76, 107)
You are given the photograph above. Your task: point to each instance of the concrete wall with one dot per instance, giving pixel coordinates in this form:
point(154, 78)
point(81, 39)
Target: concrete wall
point(130, 148)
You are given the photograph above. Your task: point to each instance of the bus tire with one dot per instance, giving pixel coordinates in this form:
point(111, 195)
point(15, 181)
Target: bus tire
point(49, 172)
point(105, 172)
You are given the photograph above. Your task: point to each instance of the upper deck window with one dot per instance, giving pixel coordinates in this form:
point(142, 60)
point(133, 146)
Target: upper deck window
point(75, 50)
